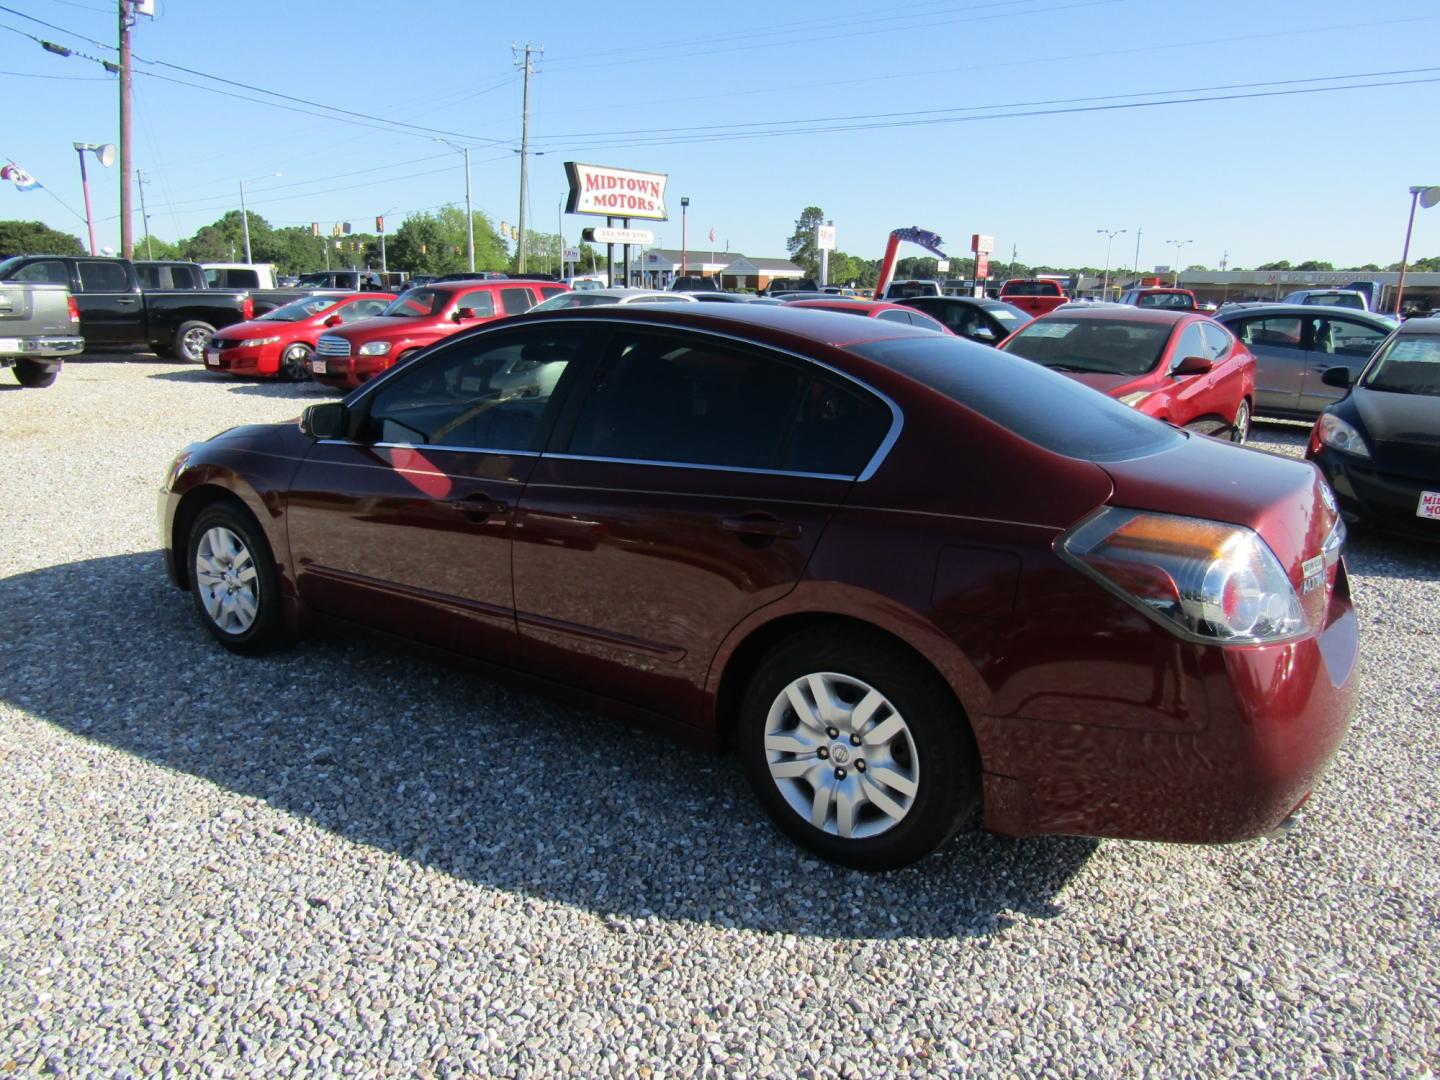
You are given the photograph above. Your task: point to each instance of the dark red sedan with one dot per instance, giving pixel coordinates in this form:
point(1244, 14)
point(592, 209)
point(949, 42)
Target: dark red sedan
point(1177, 366)
point(899, 572)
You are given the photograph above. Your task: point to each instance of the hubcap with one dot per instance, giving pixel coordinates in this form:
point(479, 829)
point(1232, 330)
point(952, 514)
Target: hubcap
point(225, 575)
point(195, 341)
point(841, 755)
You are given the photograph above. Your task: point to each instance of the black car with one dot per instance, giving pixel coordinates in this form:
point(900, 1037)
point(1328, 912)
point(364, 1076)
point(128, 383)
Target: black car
point(695, 283)
point(986, 321)
point(1379, 446)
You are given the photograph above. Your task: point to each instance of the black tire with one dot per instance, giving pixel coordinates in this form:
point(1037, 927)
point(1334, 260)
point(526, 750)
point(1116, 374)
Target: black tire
point(295, 362)
point(938, 750)
point(220, 599)
point(191, 339)
point(34, 375)
point(1240, 428)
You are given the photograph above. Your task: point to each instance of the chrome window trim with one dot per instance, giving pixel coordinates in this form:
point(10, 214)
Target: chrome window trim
point(430, 446)
point(696, 465)
point(897, 416)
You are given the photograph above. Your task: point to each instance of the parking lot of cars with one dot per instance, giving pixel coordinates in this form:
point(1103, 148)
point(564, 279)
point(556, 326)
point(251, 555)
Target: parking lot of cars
point(350, 852)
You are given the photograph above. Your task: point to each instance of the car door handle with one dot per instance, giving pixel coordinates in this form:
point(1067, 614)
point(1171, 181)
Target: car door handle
point(478, 507)
point(126, 300)
point(768, 527)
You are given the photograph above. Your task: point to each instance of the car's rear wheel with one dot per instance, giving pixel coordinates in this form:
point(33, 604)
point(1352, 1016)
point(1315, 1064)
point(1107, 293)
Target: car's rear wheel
point(857, 749)
point(191, 339)
point(31, 374)
point(295, 362)
point(234, 581)
point(1240, 429)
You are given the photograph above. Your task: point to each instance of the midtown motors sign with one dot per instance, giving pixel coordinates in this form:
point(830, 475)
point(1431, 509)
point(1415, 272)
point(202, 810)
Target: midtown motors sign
point(599, 189)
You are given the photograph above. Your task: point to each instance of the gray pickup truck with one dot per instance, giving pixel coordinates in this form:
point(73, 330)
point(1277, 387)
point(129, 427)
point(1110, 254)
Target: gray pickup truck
point(39, 327)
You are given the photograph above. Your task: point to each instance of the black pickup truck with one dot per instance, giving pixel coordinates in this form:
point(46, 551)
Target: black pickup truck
point(115, 310)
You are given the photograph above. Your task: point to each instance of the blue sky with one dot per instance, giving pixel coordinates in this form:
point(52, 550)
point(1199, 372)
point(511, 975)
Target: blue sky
point(670, 87)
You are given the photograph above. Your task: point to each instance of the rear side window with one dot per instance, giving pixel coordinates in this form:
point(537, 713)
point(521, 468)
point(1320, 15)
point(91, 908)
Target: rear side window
point(546, 293)
point(99, 276)
point(184, 277)
point(1041, 406)
point(1277, 333)
point(47, 270)
point(515, 301)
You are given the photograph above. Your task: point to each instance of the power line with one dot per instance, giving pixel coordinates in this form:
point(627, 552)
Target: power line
point(62, 78)
point(52, 26)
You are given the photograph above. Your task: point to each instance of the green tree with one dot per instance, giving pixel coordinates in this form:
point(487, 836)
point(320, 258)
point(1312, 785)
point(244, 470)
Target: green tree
point(435, 243)
point(1283, 264)
point(36, 238)
point(1315, 264)
point(801, 244)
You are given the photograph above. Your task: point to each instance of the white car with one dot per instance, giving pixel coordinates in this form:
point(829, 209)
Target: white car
point(593, 297)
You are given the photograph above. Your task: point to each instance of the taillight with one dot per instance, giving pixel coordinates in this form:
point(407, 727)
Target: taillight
point(247, 308)
point(74, 309)
point(1205, 580)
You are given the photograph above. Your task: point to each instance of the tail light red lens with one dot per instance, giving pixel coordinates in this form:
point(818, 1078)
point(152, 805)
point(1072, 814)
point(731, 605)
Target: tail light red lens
point(74, 309)
point(1208, 581)
point(247, 308)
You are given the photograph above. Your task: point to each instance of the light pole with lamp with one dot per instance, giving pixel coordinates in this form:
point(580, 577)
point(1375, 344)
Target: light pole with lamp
point(684, 213)
point(105, 152)
point(380, 228)
point(1179, 246)
point(1110, 235)
point(1425, 195)
point(244, 216)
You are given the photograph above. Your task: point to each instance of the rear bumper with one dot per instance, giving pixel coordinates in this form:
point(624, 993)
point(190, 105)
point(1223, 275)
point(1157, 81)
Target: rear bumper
point(40, 348)
point(1277, 716)
point(1380, 500)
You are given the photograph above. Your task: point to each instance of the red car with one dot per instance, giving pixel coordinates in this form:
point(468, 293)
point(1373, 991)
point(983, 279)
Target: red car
point(877, 309)
point(419, 318)
point(1177, 366)
point(1035, 296)
point(282, 342)
point(898, 572)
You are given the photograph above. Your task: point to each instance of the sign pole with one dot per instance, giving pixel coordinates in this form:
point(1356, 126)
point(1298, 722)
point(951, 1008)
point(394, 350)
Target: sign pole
point(626, 246)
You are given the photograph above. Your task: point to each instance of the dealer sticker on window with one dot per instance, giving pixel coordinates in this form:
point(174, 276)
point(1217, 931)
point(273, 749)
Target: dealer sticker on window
point(1429, 505)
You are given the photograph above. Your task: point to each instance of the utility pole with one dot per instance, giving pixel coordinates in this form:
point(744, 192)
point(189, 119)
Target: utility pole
point(469, 214)
point(144, 217)
point(525, 150)
point(127, 237)
point(1138, 233)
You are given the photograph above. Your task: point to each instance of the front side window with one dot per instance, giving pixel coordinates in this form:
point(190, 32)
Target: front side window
point(1217, 341)
point(1191, 343)
point(662, 399)
point(100, 276)
point(487, 393)
point(480, 301)
point(417, 304)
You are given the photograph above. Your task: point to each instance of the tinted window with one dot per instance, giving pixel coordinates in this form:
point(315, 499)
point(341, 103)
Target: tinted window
point(1342, 337)
point(417, 303)
point(515, 301)
point(48, 270)
point(1165, 300)
point(1191, 343)
point(148, 276)
point(1217, 341)
point(549, 291)
point(103, 277)
point(1274, 333)
point(895, 316)
point(665, 399)
point(480, 301)
point(1040, 406)
point(1110, 346)
point(185, 277)
point(487, 393)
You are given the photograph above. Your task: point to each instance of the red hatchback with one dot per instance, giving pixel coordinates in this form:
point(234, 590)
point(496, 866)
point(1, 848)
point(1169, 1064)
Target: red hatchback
point(419, 318)
point(282, 342)
point(902, 574)
point(1183, 368)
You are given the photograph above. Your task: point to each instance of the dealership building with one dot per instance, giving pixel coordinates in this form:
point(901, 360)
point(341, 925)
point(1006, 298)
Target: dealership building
point(1422, 290)
point(661, 266)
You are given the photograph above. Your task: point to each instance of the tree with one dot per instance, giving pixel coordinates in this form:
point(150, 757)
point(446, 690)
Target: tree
point(801, 244)
point(1283, 264)
point(436, 244)
point(1196, 266)
point(1315, 264)
point(36, 238)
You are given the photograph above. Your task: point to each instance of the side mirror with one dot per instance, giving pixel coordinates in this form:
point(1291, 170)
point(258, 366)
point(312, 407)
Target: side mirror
point(329, 420)
point(464, 313)
point(334, 320)
point(1338, 377)
point(1192, 365)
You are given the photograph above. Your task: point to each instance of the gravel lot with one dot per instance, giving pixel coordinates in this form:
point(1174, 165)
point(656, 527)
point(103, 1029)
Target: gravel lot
point(345, 861)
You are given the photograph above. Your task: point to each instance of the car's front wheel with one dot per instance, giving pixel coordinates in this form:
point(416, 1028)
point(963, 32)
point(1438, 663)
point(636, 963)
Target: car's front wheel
point(857, 749)
point(234, 581)
point(295, 362)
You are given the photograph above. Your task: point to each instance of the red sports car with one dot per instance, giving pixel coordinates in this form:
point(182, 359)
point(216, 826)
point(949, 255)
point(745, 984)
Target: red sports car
point(1183, 368)
point(876, 309)
point(282, 342)
point(902, 574)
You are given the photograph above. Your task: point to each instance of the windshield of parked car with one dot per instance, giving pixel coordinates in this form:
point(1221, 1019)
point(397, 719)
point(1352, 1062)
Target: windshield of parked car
point(417, 303)
point(1101, 346)
point(1410, 364)
point(300, 309)
point(1049, 410)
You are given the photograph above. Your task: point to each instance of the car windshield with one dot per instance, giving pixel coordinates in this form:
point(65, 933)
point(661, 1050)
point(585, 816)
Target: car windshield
point(1410, 364)
point(416, 304)
point(1101, 346)
point(573, 300)
point(1053, 412)
point(300, 309)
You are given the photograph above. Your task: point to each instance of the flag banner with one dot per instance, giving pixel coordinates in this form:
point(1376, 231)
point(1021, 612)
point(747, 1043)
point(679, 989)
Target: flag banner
point(21, 179)
point(923, 237)
point(712, 236)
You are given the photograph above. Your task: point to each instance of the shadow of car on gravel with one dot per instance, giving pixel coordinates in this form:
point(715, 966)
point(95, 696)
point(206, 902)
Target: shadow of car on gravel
point(417, 757)
point(270, 388)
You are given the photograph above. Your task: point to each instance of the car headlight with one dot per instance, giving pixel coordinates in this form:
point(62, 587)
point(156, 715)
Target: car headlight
point(1341, 435)
point(253, 342)
point(1205, 580)
point(374, 348)
point(1134, 400)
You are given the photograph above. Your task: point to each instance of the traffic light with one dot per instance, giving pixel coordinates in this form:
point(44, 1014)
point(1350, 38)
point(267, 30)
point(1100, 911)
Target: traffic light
point(457, 249)
point(424, 249)
point(380, 223)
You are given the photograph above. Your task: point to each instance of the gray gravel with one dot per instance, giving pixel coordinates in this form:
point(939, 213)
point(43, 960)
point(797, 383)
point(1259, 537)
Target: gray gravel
point(342, 861)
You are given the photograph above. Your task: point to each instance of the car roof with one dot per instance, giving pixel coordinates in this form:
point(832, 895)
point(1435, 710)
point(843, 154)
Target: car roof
point(1428, 325)
point(847, 303)
point(1251, 308)
point(622, 293)
point(1119, 312)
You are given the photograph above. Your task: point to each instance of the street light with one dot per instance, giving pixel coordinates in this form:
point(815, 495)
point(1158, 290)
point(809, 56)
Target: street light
point(1424, 195)
point(380, 227)
point(684, 211)
point(244, 216)
point(1179, 245)
point(105, 152)
point(1110, 235)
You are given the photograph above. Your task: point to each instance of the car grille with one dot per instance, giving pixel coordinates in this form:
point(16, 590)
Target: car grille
point(224, 343)
point(330, 345)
